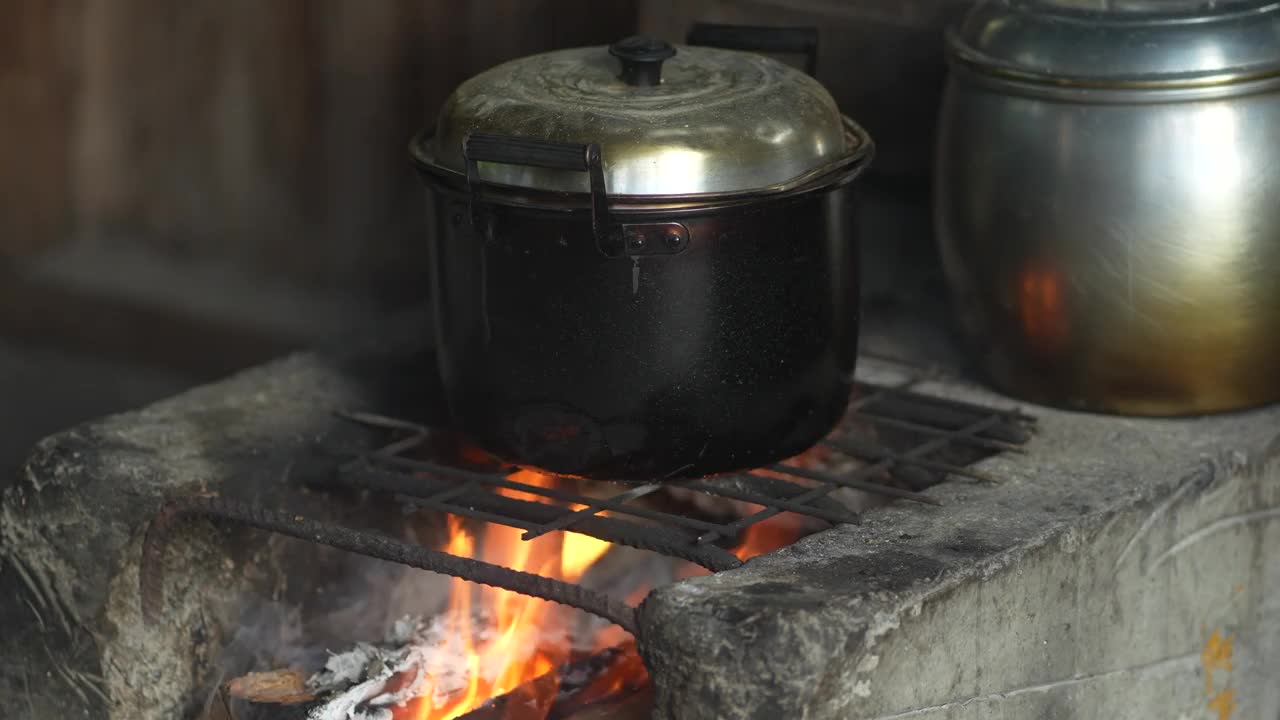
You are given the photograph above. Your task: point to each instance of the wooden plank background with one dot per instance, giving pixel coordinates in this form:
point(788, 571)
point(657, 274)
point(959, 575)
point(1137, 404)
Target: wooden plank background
point(269, 134)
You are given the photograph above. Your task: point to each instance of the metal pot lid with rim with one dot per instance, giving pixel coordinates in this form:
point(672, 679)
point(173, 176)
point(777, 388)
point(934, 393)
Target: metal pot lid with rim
point(1122, 43)
point(669, 121)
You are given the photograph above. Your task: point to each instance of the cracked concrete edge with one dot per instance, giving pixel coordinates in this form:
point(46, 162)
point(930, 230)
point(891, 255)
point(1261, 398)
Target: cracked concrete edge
point(1136, 642)
point(55, 481)
point(807, 655)
point(836, 674)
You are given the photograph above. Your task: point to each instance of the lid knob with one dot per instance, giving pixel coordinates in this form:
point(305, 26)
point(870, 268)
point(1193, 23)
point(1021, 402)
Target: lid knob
point(642, 59)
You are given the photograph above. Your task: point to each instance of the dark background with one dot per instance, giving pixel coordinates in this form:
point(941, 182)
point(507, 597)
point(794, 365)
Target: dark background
point(188, 188)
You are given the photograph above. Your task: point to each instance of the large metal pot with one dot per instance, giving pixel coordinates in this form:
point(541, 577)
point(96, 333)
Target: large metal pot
point(642, 266)
point(1108, 200)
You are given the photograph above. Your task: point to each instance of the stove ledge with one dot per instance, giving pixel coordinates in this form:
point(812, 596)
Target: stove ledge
point(1125, 569)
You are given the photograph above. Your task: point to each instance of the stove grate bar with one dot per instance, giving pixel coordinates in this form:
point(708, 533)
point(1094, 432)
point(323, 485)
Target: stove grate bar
point(894, 408)
point(615, 503)
point(831, 512)
point(854, 481)
point(831, 482)
point(734, 529)
point(867, 452)
point(419, 488)
point(362, 542)
point(979, 442)
point(449, 493)
point(922, 434)
point(464, 511)
point(879, 391)
point(927, 426)
point(763, 490)
point(934, 406)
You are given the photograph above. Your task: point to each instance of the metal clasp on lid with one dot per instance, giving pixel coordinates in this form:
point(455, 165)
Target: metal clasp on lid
point(611, 238)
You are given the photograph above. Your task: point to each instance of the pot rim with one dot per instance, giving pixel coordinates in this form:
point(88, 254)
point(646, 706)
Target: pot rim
point(828, 176)
point(1106, 94)
point(1006, 39)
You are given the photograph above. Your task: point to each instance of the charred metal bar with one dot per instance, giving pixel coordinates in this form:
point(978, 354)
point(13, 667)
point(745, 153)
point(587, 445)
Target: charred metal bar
point(418, 490)
point(418, 434)
point(868, 394)
point(942, 440)
point(913, 476)
point(867, 450)
point(988, 443)
point(853, 482)
point(908, 408)
point(447, 494)
point(1013, 414)
point(935, 422)
point(501, 481)
point(614, 503)
point(810, 495)
point(362, 542)
point(771, 492)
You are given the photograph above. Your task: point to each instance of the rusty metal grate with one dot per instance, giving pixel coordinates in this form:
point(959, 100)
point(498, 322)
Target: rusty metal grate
point(919, 441)
point(909, 439)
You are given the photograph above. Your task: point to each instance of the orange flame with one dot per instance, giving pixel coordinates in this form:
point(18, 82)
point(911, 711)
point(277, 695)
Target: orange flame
point(769, 535)
point(505, 640)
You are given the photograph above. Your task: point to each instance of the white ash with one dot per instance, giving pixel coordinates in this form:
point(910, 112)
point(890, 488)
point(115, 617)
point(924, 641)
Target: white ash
point(357, 679)
point(356, 682)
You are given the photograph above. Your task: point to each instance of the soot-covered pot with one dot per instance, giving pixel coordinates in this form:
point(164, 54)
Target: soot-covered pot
point(642, 263)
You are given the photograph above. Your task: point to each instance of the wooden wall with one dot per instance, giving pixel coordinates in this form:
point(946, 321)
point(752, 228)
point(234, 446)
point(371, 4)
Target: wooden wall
point(268, 134)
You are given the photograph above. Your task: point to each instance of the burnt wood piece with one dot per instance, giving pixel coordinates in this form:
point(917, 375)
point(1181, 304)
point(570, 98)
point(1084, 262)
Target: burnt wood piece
point(610, 683)
point(602, 679)
point(281, 687)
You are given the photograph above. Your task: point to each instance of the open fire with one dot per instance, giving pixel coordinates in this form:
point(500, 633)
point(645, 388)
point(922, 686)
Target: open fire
point(503, 639)
point(484, 653)
point(498, 654)
point(499, 642)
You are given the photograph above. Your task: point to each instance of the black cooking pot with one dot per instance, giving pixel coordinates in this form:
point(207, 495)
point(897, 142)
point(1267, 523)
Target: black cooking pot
point(644, 271)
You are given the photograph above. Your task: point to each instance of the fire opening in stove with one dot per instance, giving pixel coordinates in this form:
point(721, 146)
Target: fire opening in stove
point(506, 646)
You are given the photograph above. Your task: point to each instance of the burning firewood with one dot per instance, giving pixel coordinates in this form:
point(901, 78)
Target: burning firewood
point(604, 679)
point(405, 677)
point(280, 687)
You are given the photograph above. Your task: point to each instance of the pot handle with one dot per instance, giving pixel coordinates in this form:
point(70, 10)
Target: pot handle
point(488, 147)
point(757, 38)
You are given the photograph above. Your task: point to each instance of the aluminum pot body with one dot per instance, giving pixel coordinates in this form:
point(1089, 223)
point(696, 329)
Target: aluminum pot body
point(736, 351)
point(1115, 250)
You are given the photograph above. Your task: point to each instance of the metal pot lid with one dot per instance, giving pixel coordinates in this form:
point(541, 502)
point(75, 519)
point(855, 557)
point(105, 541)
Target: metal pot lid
point(669, 120)
point(1122, 43)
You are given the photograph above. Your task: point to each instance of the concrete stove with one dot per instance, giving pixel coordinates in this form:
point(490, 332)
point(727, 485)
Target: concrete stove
point(1124, 569)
